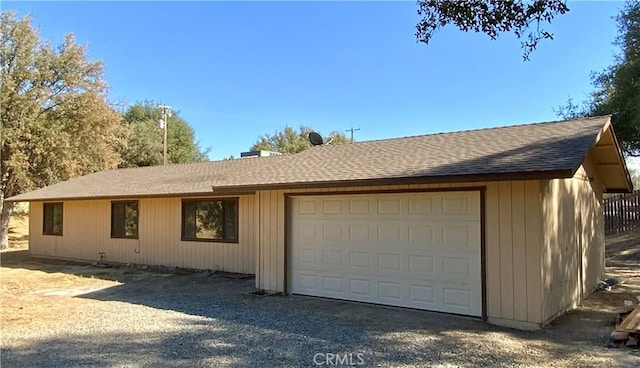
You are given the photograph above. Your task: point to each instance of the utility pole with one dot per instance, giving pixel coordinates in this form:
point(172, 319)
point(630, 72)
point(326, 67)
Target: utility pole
point(166, 113)
point(352, 129)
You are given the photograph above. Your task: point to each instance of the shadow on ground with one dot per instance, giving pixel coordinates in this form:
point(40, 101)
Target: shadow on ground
point(207, 320)
point(219, 322)
point(21, 259)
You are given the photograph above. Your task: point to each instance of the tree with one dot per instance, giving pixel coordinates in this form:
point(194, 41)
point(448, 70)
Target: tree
point(56, 122)
point(290, 141)
point(490, 17)
point(144, 145)
point(617, 88)
point(635, 178)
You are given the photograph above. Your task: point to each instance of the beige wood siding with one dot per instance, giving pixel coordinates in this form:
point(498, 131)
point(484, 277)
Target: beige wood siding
point(87, 226)
point(513, 226)
point(573, 246)
point(591, 196)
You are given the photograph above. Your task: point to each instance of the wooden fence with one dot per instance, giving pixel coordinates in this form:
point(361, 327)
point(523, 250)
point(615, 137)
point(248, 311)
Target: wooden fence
point(622, 212)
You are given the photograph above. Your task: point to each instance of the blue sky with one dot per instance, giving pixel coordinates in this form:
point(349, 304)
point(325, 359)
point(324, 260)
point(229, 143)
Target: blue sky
point(237, 70)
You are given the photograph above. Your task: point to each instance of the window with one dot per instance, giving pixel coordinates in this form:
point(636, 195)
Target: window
point(210, 220)
point(52, 219)
point(124, 219)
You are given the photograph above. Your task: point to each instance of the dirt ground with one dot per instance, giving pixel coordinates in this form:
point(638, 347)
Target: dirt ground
point(25, 292)
point(45, 295)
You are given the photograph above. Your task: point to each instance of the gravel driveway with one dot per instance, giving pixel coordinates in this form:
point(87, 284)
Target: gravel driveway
point(191, 320)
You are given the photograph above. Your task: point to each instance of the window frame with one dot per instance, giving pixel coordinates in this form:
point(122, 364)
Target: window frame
point(196, 200)
point(137, 203)
point(44, 219)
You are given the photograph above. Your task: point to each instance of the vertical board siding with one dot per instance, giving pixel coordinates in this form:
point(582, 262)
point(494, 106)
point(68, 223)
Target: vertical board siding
point(506, 251)
point(273, 237)
point(87, 233)
point(518, 236)
point(492, 240)
point(533, 249)
point(573, 220)
point(560, 268)
point(513, 222)
point(591, 193)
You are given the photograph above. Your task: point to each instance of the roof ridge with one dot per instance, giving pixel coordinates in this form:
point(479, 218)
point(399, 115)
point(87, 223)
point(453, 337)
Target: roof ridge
point(209, 162)
point(481, 129)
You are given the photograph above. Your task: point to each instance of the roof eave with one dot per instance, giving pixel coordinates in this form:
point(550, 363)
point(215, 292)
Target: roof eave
point(239, 191)
point(530, 175)
point(252, 188)
point(619, 155)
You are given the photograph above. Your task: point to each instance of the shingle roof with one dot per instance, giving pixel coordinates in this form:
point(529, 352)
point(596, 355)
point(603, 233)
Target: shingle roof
point(552, 149)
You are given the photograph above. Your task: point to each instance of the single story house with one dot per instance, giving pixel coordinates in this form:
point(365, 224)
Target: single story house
point(504, 224)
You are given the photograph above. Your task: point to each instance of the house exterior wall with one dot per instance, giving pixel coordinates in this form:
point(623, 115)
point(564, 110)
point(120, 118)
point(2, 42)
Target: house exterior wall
point(513, 240)
point(532, 233)
point(573, 246)
point(87, 232)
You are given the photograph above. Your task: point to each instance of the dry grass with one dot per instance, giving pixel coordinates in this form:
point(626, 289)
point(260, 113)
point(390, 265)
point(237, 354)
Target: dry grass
point(38, 299)
point(623, 262)
point(32, 294)
point(19, 232)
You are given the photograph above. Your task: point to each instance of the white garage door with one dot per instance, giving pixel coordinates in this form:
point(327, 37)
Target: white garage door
point(418, 250)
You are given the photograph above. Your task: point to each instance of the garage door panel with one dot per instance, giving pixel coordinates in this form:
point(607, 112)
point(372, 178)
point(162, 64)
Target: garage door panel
point(420, 234)
point(401, 232)
point(418, 250)
point(422, 294)
point(360, 206)
point(457, 267)
point(420, 264)
point(444, 262)
point(307, 207)
point(359, 232)
point(357, 273)
point(443, 298)
point(389, 233)
point(332, 207)
point(389, 261)
point(389, 206)
point(306, 256)
point(421, 206)
point(359, 260)
point(360, 287)
point(332, 257)
point(459, 205)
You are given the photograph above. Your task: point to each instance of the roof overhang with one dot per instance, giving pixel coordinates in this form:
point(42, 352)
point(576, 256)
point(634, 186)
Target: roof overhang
point(444, 179)
point(609, 161)
point(253, 188)
point(230, 192)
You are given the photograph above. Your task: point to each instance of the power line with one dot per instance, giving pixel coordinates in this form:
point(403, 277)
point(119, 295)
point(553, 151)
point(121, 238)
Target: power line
point(352, 129)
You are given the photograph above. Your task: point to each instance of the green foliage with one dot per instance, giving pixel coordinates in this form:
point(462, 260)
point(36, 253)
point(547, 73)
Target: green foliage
point(144, 145)
point(635, 178)
point(289, 140)
point(617, 88)
point(490, 17)
point(56, 122)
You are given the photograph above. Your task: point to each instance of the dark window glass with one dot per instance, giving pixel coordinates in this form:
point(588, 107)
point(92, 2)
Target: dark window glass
point(52, 221)
point(210, 220)
point(124, 219)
